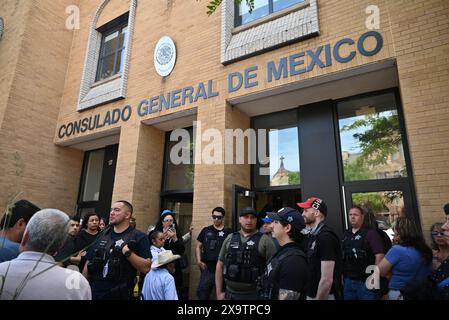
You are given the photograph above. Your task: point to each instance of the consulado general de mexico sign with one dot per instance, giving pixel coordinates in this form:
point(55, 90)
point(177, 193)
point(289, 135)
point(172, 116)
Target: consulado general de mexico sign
point(293, 65)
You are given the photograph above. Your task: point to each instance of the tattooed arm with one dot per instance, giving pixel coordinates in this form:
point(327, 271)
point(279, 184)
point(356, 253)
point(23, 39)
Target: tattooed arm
point(288, 294)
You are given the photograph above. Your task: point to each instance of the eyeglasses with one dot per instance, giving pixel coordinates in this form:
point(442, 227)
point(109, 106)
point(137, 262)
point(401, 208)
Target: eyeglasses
point(167, 220)
point(217, 217)
point(436, 233)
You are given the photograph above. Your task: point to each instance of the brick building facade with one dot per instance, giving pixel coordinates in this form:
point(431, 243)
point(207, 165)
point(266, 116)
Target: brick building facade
point(305, 63)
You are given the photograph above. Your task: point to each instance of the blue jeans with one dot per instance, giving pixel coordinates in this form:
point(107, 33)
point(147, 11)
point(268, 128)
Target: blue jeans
point(357, 290)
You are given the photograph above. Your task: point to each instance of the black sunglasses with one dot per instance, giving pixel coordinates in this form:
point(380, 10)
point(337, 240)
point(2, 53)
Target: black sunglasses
point(436, 233)
point(217, 217)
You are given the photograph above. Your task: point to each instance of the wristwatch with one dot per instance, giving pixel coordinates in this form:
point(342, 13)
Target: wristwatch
point(127, 253)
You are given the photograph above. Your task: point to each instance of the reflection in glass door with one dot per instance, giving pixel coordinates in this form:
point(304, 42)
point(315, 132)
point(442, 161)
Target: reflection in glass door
point(375, 173)
point(385, 205)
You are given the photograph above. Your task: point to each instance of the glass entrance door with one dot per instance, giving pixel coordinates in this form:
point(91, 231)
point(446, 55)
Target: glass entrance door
point(383, 203)
point(262, 201)
point(97, 181)
point(374, 163)
point(182, 205)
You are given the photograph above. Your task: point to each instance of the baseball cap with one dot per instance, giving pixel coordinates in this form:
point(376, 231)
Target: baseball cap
point(315, 203)
point(267, 219)
point(248, 210)
point(166, 211)
point(289, 215)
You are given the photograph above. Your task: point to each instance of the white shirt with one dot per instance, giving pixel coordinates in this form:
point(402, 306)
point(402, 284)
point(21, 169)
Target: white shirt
point(48, 281)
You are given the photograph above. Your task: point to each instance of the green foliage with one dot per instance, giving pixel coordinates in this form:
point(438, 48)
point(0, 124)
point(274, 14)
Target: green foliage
point(373, 199)
point(214, 4)
point(356, 170)
point(380, 137)
point(293, 177)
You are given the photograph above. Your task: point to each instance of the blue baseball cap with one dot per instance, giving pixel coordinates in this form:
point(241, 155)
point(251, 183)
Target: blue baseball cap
point(290, 216)
point(267, 219)
point(166, 211)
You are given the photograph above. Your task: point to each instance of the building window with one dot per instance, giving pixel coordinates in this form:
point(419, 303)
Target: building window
point(282, 146)
point(106, 66)
point(272, 23)
point(370, 137)
point(261, 9)
point(112, 52)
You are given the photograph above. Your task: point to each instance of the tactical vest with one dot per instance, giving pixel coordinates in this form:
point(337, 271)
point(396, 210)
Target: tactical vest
point(212, 245)
point(268, 285)
point(109, 264)
point(356, 254)
point(243, 261)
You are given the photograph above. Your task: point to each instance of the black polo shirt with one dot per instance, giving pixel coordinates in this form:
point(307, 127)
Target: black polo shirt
point(219, 234)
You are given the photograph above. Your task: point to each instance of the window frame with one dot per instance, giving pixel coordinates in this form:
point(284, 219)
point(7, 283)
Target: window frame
point(402, 130)
point(406, 184)
point(255, 166)
point(238, 20)
point(115, 25)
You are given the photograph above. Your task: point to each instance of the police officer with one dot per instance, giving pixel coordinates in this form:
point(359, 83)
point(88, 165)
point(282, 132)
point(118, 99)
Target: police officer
point(208, 247)
point(286, 275)
point(242, 259)
point(113, 261)
point(323, 252)
point(362, 247)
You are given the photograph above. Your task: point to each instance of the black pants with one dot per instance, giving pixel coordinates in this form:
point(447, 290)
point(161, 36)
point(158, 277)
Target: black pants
point(206, 285)
point(252, 295)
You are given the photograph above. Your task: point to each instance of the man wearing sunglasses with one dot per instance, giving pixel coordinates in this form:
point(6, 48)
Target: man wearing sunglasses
point(208, 247)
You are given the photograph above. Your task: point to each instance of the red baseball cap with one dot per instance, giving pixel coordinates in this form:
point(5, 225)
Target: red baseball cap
point(315, 203)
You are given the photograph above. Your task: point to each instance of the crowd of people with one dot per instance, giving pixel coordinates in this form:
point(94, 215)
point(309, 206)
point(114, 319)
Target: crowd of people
point(45, 254)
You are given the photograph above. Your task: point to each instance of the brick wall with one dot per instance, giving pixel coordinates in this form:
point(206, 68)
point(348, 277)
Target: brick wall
point(45, 174)
point(415, 33)
point(420, 30)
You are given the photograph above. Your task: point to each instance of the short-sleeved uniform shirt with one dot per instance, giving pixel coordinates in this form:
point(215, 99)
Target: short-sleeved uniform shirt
point(101, 287)
point(218, 234)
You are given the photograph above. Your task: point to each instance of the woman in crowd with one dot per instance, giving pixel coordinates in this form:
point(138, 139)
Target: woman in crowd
point(409, 260)
point(440, 245)
point(440, 275)
point(88, 235)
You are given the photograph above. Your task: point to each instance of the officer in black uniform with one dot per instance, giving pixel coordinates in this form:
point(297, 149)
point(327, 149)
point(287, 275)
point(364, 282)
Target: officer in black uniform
point(242, 259)
point(208, 247)
point(323, 252)
point(362, 247)
point(285, 277)
point(118, 254)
